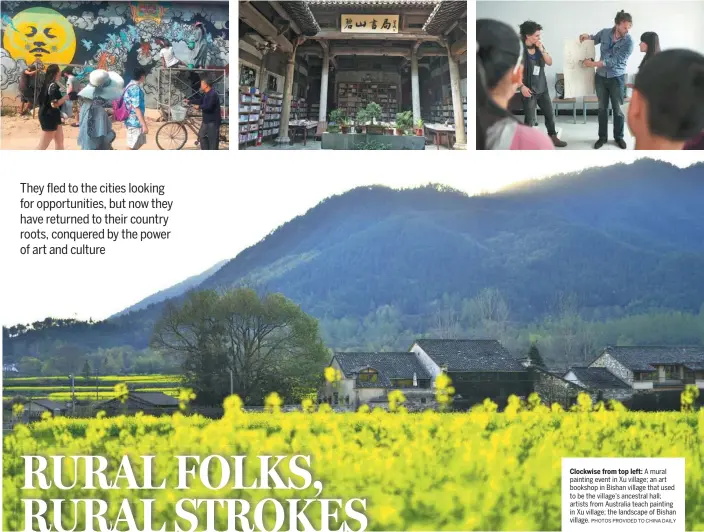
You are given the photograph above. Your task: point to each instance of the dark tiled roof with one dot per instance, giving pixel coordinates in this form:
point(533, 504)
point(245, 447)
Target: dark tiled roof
point(444, 14)
point(559, 376)
point(389, 365)
point(155, 398)
point(643, 358)
point(470, 355)
point(598, 378)
point(300, 12)
point(381, 3)
point(50, 405)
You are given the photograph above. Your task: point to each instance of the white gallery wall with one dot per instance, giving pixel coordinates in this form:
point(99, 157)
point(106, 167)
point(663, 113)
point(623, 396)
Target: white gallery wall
point(680, 24)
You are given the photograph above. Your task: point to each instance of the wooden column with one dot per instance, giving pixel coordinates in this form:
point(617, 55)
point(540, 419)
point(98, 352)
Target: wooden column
point(460, 135)
point(323, 109)
point(415, 86)
point(283, 137)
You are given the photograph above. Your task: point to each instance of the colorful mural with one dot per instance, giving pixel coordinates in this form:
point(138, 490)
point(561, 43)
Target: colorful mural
point(115, 36)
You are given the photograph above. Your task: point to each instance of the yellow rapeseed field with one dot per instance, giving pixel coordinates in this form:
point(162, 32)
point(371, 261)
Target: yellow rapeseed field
point(481, 470)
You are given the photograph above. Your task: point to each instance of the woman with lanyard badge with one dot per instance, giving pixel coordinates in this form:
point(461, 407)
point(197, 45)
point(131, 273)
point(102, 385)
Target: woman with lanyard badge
point(499, 73)
point(534, 90)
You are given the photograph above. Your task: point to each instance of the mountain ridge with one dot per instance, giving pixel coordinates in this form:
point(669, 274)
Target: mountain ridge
point(623, 238)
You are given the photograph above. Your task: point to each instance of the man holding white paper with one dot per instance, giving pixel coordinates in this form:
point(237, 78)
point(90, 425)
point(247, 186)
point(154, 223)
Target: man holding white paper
point(616, 48)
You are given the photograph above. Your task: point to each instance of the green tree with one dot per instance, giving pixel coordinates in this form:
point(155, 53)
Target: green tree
point(263, 343)
point(86, 369)
point(534, 355)
point(30, 365)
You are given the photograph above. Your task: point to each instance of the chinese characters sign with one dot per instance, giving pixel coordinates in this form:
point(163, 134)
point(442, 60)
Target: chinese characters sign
point(369, 23)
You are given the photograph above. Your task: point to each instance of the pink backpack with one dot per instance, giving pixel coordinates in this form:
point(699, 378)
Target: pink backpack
point(120, 111)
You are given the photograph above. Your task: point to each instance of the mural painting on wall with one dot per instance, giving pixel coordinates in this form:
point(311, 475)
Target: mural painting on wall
point(115, 36)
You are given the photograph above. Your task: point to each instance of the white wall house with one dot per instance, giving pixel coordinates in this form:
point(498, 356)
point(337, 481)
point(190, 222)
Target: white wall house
point(654, 367)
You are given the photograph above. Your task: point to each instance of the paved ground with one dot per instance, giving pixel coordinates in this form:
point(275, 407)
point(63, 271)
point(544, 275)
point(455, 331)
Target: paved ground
point(581, 136)
point(310, 145)
point(22, 133)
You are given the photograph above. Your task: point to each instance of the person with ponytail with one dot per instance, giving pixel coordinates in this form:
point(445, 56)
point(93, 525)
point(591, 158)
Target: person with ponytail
point(650, 45)
point(499, 74)
point(50, 100)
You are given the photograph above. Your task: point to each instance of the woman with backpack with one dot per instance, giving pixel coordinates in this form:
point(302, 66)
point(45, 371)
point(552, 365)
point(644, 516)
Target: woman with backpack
point(95, 126)
point(50, 101)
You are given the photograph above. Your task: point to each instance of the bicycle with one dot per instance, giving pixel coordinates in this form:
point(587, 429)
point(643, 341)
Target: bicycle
point(173, 135)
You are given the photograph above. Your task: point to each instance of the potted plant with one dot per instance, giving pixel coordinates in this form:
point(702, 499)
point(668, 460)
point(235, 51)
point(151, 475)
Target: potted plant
point(373, 113)
point(345, 123)
point(360, 120)
point(420, 130)
point(404, 122)
point(334, 120)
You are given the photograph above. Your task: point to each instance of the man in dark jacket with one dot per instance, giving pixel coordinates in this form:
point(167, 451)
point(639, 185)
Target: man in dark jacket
point(209, 134)
point(28, 81)
point(534, 90)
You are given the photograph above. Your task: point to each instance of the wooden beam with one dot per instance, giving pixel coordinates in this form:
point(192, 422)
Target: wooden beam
point(459, 48)
point(263, 26)
point(332, 35)
point(432, 53)
point(396, 51)
point(448, 30)
point(283, 14)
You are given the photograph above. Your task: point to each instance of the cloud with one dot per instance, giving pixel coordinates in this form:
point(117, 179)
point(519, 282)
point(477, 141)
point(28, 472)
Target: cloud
point(10, 70)
point(58, 6)
point(115, 14)
point(87, 21)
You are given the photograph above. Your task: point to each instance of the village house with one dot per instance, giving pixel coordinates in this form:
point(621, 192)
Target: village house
point(152, 403)
point(552, 387)
point(644, 378)
point(653, 368)
point(479, 369)
point(34, 408)
point(10, 368)
point(368, 377)
point(600, 383)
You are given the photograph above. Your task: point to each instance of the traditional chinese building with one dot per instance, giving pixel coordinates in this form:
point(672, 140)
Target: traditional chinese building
point(314, 56)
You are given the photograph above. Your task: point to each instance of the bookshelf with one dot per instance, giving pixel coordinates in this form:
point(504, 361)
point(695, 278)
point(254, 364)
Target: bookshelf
point(354, 96)
point(270, 118)
point(313, 111)
point(250, 102)
point(442, 112)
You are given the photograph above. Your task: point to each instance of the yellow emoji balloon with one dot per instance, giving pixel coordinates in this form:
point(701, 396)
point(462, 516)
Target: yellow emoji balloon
point(40, 33)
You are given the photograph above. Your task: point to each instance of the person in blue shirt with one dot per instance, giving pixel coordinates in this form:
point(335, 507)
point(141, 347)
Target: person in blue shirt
point(136, 123)
point(616, 46)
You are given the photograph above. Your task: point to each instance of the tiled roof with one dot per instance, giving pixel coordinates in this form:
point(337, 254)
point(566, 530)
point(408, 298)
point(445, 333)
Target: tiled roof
point(559, 376)
point(373, 2)
point(389, 365)
point(598, 378)
point(444, 14)
point(49, 405)
point(470, 355)
point(155, 398)
point(300, 12)
point(644, 358)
